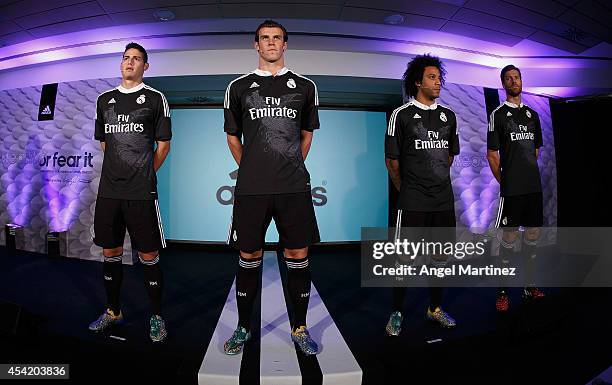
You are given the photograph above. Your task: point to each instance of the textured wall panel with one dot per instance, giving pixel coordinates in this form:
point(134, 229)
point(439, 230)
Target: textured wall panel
point(476, 191)
point(38, 191)
point(42, 196)
point(547, 158)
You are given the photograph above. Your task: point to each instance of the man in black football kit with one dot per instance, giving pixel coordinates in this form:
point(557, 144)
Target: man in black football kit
point(513, 142)
point(420, 144)
point(270, 116)
point(133, 126)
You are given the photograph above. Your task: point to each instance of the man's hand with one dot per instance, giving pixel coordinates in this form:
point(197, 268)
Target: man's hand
point(161, 152)
point(394, 172)
point(494, 164)
point(235, 146)
point(305, 142)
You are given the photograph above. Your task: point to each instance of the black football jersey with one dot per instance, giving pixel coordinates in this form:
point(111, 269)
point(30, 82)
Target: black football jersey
point(422, 138)
point(130, 121)
point(516, 133)
point(269, 112)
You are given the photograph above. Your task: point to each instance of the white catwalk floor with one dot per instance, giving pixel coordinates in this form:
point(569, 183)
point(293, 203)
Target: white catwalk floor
point(278, 361)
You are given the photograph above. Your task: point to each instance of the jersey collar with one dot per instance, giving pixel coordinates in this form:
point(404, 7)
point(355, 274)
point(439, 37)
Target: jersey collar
point(124, 90)
point(512, 105)
point(282, 71)
point(423, 106)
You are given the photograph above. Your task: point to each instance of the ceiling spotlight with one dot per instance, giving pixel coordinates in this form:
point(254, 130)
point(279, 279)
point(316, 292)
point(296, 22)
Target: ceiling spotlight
point(164, 15)
point(395, 19)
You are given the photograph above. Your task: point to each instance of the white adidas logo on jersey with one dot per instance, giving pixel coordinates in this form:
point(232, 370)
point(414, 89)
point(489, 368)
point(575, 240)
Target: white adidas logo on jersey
point(112, 101)
point(416, 116)
point(254, 85)
point(46, 111)
point(508, 113)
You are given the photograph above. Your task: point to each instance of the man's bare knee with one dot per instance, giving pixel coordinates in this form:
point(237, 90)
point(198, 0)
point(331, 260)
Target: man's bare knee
point(117, 251)
point(253, 255)
point(532, 233)
point(296, 253)
point(148, 256)
point(510, 235)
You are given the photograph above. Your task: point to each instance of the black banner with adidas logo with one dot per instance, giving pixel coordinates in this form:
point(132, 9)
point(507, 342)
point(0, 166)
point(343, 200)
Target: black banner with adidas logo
point(46, 108)
point(491, 100)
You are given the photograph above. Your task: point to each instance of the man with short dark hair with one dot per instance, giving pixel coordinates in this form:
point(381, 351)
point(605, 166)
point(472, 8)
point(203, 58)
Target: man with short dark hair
point(275, 111)
point(421, 141)
point(513, 143)
point(133, 126)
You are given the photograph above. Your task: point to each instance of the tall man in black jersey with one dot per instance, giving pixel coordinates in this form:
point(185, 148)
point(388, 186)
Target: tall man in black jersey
point(513, 142)
point(270, 116)
point(420, 144)
point(132, 124)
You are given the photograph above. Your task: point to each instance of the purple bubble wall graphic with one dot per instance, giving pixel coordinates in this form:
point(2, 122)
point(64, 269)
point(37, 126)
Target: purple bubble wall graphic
point(50, 170)
point(476, 190)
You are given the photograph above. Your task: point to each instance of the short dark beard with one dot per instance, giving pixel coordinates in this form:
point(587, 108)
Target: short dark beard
point(512, 93)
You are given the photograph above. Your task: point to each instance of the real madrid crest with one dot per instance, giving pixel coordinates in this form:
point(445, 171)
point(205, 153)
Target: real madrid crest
point(291, 83)
point(528, 113)
point(141, 99)
point(443, 117)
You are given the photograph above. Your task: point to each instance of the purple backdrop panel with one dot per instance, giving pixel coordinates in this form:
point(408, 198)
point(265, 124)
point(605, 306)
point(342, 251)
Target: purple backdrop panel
point(476, 191)
point(547, 158)
point(50, 170)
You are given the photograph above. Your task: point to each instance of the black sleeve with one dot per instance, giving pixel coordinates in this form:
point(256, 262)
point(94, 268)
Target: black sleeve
point(163, 124)
point(538, 131)
point(393, 138)
point(99, 123)
point(310, 113)
point(493, 133)
point(232, 111)
point(454, 147)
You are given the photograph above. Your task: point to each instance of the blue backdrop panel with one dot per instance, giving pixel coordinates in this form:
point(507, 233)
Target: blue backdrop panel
point(346, 164)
